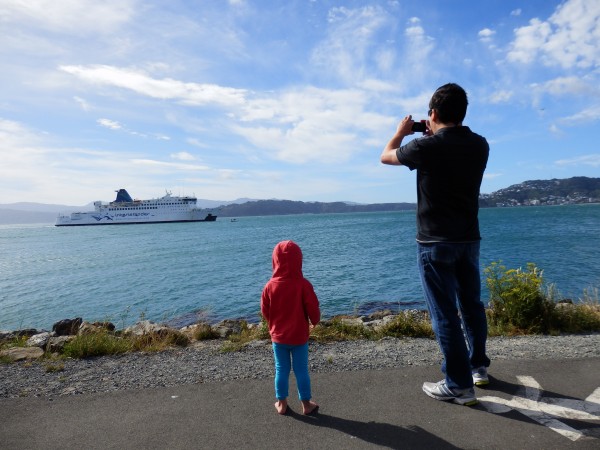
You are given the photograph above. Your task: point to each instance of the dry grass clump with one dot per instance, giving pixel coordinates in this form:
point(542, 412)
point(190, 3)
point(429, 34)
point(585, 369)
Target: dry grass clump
point(203, 331)
point(340, 329)
point(247, 334)
point(102, 343)
point(408, 324)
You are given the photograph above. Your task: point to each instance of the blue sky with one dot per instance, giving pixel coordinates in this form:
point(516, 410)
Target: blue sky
point(284, 99)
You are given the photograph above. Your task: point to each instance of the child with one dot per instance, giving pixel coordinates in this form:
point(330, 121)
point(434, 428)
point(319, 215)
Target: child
point(287, 303)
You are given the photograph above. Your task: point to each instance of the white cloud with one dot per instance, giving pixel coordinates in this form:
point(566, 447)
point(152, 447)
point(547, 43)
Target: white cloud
point(84, 105)
point(111, 124)
point(310, 124)
point(501, 96)
point(167, 88)
point(351, 43)
point(569, 86)
point(585, 160)
point(69, 16)
point(591, 114)
point(183, 156)
point(161, 166)
point(569, 38)
point(516, 12)
point(486, 34)
point(528, 41)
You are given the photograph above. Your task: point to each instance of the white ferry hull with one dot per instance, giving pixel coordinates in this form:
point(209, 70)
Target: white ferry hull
point(125, 211)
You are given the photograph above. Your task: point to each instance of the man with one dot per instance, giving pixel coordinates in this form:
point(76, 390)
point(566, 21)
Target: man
point(450, 160)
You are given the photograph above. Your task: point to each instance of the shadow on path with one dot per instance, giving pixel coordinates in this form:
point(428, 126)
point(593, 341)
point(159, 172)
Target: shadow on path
point(383, 434)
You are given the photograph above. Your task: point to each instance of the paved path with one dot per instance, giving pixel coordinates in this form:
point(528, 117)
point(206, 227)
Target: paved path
point(552, 404)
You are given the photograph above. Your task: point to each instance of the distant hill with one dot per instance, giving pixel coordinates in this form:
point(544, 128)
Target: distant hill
point(286, 207)
point(528, 193)
point(545, 192)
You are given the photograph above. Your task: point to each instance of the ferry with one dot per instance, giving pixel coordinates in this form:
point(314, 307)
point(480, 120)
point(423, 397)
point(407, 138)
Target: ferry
point(125, 210)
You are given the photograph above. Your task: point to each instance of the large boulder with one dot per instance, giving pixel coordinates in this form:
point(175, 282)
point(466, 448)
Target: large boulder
point(57, 344)
point(28, 332)
point(67, 327)
point(145, 327)
point(39, 340)
point(228, 327)
point(95, 327)
point(21, 353)
point(6, 336)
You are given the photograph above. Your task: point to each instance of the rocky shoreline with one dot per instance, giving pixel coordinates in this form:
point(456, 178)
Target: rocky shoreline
point(206, 362)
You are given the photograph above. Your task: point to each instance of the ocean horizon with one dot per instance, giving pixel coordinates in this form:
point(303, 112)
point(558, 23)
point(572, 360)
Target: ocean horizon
point(177, 273)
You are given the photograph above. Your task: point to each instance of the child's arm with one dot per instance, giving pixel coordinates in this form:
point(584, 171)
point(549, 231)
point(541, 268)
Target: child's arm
point(265, 305)
point(311, 303)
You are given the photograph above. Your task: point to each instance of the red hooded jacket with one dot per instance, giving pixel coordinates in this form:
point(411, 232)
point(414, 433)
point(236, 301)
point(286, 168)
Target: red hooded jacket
point(288, 299)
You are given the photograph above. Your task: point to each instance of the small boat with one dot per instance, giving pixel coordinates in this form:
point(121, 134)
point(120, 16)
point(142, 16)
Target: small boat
point(125, 210)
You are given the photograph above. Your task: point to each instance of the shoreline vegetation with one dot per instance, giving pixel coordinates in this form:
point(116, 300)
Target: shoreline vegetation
point(520, 304)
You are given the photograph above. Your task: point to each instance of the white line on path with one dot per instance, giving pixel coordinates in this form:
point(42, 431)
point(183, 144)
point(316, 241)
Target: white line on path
point(547, 410)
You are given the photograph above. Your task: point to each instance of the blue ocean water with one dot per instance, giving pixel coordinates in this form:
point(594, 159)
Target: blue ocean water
point(175, 272)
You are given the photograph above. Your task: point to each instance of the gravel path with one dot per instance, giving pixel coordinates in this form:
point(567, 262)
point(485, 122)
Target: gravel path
point(203, 362)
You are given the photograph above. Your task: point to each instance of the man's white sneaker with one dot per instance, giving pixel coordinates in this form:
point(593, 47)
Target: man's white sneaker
point(440, 391)
point(480, 376)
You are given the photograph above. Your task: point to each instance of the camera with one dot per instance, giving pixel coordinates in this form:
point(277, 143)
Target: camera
point(419, 127)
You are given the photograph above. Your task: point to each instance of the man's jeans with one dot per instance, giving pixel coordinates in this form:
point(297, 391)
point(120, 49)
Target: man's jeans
point(451, 281)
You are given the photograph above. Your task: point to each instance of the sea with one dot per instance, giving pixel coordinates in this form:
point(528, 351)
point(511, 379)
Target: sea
point(180, 273)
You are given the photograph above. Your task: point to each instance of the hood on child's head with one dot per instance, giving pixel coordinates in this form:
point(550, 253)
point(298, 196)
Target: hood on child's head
point(287, 260)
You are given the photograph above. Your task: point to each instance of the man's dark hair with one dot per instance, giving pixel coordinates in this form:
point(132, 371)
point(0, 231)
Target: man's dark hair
point(450, 102)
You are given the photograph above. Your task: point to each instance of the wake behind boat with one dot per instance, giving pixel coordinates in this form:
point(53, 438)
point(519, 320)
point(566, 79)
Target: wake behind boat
point(125, 210)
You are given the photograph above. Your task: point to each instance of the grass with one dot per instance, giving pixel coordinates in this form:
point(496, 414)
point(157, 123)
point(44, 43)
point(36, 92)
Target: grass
point(96, 344)
point(106, 343)
point(205, 332)
point(247, 334)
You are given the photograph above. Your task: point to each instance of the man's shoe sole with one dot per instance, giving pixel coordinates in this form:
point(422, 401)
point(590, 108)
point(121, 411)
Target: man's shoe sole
point(482, 383)
point(457, 400)
point(472, 402)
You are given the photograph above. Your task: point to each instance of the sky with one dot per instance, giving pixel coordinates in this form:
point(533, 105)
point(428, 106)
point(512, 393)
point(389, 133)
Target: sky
point(289, 99)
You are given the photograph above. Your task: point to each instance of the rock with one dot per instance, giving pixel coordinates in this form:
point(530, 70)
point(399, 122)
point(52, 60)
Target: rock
point(6, 336)
point(39, 340)
point(352, 321)
point(228, 327)
point(26, 332)
point(95, 327)
point(21, 353)
point(146, 327)
point(108, 326)
point(67, 327)
point(56, 344)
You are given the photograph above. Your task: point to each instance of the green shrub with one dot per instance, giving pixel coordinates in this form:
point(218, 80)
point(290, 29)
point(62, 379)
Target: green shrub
point(518, 303)
point(262, 331)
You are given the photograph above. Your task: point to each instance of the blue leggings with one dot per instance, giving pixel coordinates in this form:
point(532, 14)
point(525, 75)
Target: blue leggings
point(287, 356)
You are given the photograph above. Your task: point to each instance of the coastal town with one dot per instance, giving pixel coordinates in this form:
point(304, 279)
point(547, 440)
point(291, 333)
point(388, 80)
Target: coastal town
point(576, 190)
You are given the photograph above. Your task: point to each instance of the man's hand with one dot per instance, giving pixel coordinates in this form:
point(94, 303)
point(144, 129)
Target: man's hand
point(388, 156)
point(405, 127)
